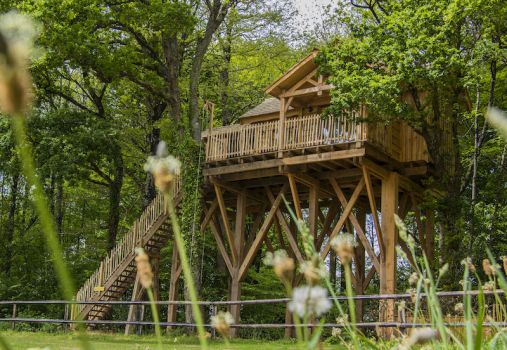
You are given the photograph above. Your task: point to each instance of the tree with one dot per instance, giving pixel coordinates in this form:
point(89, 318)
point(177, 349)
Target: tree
point(414, 61)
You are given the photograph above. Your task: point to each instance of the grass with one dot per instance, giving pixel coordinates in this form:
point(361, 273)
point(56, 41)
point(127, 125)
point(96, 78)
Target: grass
point(104, 341)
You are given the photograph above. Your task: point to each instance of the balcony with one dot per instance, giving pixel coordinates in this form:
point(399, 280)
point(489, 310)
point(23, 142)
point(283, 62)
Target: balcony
point(299, 133)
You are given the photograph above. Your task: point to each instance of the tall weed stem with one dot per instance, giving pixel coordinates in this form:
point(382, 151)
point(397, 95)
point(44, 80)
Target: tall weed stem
point(46, 219)
point(187, 274)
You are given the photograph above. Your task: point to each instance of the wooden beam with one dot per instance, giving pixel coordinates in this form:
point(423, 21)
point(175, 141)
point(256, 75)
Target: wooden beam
point(220, 245)
point(209, 213)
point(346, 211)
point(373, 207)
point(296, 160)
point(368, 277)
point(359, 230)
point(295, 196)
point(331, 214)
point(225, 219)
point(389, 207)
point(308, 91)
point(285, 227)
point(256, 244)
point(313, 211)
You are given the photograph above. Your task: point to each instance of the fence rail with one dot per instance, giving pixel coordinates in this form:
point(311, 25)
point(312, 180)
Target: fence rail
point(214, 304)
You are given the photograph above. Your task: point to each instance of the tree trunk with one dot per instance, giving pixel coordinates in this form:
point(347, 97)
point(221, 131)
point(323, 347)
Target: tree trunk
point(114, 199)
point(224, 77)
point(59, 207)
point(10, 226)
point(173, 58)
point(155, 113)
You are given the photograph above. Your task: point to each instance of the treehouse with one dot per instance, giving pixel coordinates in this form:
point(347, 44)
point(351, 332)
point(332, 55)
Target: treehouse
point(336, 172)
point(282, 162)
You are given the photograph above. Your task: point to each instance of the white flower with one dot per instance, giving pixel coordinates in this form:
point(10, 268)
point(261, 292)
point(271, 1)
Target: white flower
point(459, 307)
point(163, 167)
point(222, 322)
point(413, 279)
point(344, 245)
point(336, 331)
point(313, 270)
point(309, 301)
point(282, 264)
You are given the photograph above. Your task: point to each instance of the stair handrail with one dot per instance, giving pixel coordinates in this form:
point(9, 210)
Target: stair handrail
point(125, 247)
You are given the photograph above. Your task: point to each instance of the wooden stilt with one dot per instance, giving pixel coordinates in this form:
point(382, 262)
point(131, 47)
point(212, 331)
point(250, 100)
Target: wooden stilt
point(430, 236)
point(360, 265)
point(313, 211)
point(173, 285)
point(389, 206)
point(238, 246)
point(137, 293)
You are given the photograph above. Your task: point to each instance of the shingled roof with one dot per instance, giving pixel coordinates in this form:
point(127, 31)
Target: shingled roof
point(268, 106)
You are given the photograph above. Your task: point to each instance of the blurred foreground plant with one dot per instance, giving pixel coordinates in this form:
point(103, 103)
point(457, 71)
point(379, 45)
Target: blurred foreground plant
point(166, 170)
point(17, 33)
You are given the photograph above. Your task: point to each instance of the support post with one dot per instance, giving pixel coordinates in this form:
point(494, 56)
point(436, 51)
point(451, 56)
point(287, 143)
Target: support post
point(14, 315)
point(137, 293)
point(360, 265)
point(239, 239)
point(313, 211)
point(389, 206)
point(281, 126)
point(430, 237)
point(173, 286)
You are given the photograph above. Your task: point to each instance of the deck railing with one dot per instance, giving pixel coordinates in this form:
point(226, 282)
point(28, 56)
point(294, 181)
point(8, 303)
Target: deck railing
point(299, 132)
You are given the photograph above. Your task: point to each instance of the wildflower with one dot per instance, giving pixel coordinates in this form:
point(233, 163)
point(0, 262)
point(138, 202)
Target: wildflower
point(443, 270)
point(401, 253)
point(413, 294)
point(313, 270)
point(343, 319)
point(468, 262)
point(504, 260)
point(344, 245)
point(283, 266)
point(489, 286)
point(144, 272)
point(489, 269)
point(16, 37)
point(413, 279)
point(222, 323)
point(459, 307)
point(307, 240)
point(163, 167)
point(421, 336)
point(309, 301)
point(336, 331)
point(402, 305)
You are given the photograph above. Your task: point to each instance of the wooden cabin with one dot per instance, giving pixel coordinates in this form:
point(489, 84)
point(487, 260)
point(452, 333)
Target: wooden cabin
point(290, 120)
point(336, 172)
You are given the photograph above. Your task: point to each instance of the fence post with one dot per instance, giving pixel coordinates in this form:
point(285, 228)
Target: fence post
point(65, 317)
point(213, 313)
point(14, 312)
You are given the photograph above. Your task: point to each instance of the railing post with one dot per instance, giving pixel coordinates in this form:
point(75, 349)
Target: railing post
point(65, 316)
point(213, 313)
point(14, 312)
point(281, 126)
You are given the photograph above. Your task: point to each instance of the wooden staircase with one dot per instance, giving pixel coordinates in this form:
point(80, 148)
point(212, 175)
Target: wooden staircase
point(117, 272)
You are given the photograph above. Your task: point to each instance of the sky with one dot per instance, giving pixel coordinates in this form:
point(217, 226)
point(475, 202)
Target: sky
point(310, 10)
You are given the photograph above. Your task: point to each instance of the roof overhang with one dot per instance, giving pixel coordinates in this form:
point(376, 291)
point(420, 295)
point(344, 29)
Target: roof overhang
point(295, 74)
